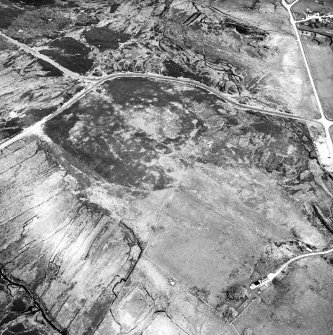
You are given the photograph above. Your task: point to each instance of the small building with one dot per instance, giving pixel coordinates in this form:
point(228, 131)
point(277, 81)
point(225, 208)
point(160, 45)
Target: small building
point(305, 32)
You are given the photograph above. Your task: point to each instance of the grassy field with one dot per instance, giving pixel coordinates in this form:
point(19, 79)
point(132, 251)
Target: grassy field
point(209, 237)
point(299, 304)
point(320, 59)
point(224, 218)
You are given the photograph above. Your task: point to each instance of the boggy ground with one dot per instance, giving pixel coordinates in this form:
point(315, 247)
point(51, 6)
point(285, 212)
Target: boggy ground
point(215, 196)
point(228, 45)
point(68, 253)
point(162, 188)
point(30, 90)
point(132, 137)
point(138, 208)
point(19, 313)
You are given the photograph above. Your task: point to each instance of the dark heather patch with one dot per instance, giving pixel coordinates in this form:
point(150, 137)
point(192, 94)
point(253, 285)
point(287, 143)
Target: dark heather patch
point(19, 306)
point(136, 91)
point(200, 95)
point(17, 328)
point(10, 128)
point(121, 151)
point(59, 129)
point(14, 126)
point(104, 38)
point(32, 332)
point(13, 305)
point(9, 317)
point(267, 128)
point(4, 45)
point(251, 31)
point(35, 114)
point(85, 20)
point(231, 121)
point(98, 312)
point(70, 46)
point(69, 4)
point(114, 7)
point(51, 71)
point(70, 54)
point(172, 69)
point(139, 91)
point(118, 151)
point(126, 164)
point(273, 156)
point(7, 15)
point(35, 3)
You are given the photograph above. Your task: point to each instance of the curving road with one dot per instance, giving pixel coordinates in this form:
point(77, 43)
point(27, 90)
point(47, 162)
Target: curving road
point(94, 82)
point(271, 276)
point(326, 123)
point(98, 81)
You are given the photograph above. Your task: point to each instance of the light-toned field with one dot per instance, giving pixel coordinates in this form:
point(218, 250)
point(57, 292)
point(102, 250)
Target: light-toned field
point(209, 239)
point(299, 304)
point(320, 59)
